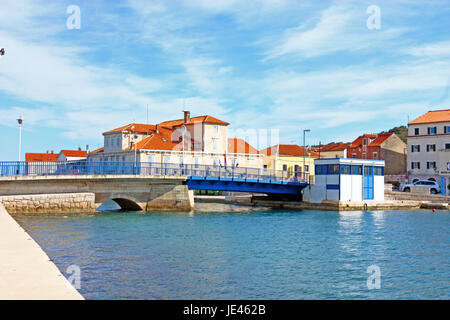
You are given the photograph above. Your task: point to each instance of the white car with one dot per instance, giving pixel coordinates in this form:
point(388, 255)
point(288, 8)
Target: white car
point(433, 185)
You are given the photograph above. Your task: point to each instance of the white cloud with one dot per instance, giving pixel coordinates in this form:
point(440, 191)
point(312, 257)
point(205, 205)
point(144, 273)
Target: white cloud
point(432, 50)
point(340, 27)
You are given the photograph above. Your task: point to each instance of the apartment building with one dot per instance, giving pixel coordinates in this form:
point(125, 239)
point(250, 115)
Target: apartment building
point(429, 146)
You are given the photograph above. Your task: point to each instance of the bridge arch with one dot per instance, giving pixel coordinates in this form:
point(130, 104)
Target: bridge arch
point(119, 204)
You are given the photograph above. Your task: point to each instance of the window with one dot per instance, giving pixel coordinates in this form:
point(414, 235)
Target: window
point(151, 158)
point(416, 131)
point(356, 170)
point(214, 144)
point(432, 130)
point(265, 166)
point(197, 162)
point(415, 165)
point(375, 155)
point(216, 129)
point(364, 141)
point(447, 146)
point(368, 171)
point(333, 169)
point(431, 147)
point(354, 155)
point(364, 155)
point(123, 158)
point(431, 164)
point(106, 141)
point(297, 168)
point(345, 169)
point(446, 129)
point(415, 148)
point(306, 168)
point(321, 169)
point(285, 167)
point(378, 171)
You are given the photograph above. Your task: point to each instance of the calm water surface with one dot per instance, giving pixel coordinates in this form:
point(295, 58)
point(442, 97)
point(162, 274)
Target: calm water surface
point(252, 255)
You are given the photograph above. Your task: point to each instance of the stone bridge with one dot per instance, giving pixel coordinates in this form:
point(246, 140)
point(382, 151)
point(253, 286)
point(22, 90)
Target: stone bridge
point(130, 192)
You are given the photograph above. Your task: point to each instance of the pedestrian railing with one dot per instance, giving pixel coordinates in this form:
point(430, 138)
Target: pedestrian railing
point(214, 172)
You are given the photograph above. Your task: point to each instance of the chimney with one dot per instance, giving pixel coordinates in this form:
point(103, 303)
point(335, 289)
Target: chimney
point(79, 148)
point(47, 151)
point(157, 129)
point(187, 116)
point(52, 151)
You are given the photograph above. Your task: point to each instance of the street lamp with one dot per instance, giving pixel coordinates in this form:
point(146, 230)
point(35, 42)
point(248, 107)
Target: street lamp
point(304, 149)
point(183, 137)
point(20, 122)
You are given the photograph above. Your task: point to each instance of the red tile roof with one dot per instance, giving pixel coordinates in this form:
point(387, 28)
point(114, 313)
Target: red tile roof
point(433, 116)
point(358, 141)
point(288, 150)
point(236, 145)
point(158, 141)
point(74, 153)
point(377, 139)
point(41, 156)
point(136, 127)
point(335, 147)
point(102, 149)
point(382, 137)
point(199, 119)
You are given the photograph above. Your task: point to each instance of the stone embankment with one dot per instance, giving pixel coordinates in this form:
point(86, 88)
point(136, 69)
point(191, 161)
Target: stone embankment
point(50, 203)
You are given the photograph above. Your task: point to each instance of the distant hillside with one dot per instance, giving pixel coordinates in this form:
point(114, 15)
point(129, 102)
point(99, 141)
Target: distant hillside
point(401, 132)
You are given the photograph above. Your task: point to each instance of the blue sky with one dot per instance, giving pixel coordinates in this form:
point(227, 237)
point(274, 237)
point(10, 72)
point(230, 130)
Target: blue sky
point(279, 64)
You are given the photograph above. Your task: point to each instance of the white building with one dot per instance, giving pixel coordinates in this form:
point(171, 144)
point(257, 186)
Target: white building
point(347, 180)
point(72, 155)
point(429, 147)
point(201, 140)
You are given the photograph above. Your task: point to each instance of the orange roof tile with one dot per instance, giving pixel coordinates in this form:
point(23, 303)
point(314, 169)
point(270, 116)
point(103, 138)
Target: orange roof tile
point(236, 145)
point(102, 149)
point(41, 156)
point(158, 141)
point(288, 150)
point(358, 141)
point(382, 137)
point(74, 153)
point(433, 116)
point(335, 147)
point(135, 127)
point(204, 119)
point(377, 139)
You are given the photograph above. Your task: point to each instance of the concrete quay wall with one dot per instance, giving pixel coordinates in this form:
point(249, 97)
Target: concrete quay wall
point(26, 272)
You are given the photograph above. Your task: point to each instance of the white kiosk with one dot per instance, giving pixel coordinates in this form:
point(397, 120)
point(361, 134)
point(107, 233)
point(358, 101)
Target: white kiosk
point(346, 180)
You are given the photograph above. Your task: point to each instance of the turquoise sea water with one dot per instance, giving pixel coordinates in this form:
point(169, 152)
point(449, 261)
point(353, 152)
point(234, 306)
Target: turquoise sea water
point(252, 255)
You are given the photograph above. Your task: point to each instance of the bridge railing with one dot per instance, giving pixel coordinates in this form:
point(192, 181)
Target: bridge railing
point(82, 167)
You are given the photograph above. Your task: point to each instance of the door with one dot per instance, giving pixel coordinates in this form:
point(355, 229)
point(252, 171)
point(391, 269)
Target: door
point(368, 183)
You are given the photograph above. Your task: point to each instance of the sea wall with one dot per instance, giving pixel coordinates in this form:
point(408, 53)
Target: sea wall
point(50, 203)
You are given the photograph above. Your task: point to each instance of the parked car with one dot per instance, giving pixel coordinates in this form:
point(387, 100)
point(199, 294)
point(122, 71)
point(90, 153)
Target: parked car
point(433, 185)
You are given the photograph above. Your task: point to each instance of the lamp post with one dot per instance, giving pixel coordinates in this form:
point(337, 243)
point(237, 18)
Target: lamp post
point(304, 149)
point(20, 122)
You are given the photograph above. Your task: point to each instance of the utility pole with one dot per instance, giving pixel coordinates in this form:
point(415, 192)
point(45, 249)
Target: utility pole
point(20, 122)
